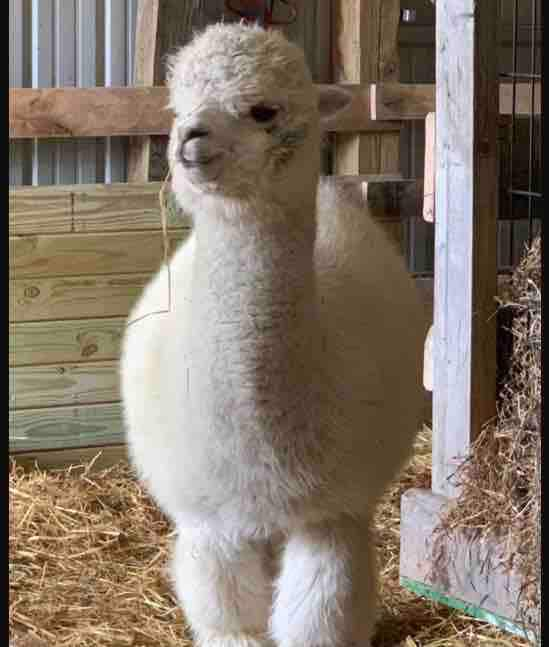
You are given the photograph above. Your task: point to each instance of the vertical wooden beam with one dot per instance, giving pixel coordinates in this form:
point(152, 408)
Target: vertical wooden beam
point(465, 231)
point(365, 49)
point(429, 168)
point(144, 64)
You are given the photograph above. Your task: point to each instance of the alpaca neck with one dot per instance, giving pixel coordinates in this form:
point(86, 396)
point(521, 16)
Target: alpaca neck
point(254, 294)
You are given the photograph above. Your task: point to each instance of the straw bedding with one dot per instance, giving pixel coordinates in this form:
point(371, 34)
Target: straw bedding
point(88, 558)
point(501, 481)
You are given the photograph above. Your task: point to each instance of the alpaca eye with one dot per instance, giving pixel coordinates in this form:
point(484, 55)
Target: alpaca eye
point(262, 114)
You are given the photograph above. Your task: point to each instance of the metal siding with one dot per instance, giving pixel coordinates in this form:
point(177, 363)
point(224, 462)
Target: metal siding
point(44, 155)
point(65, 75)
point(86, 64)
point(81, 43)
point(115, 75)
point(16, 81)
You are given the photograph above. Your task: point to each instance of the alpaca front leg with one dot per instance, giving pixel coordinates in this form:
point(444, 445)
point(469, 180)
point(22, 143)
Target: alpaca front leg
point(325, 595)
point(224, 587)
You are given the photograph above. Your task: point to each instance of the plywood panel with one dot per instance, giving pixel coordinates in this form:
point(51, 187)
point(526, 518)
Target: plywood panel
point(62, 427)
point(74, 297)
point(50, 342)
point(78, 254)
point(63, 384)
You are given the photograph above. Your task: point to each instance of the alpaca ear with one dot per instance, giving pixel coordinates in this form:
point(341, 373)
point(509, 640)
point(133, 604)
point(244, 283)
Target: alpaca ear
point(333, 100)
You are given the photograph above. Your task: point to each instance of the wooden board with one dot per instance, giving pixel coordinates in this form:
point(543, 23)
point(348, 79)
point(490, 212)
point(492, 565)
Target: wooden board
point(429, 169)
point(93, 458)
point(73, 297)
point(39, 208)
point(129, 207)
point(64, 427)
point(127, 111)
point(97, 253)
point(88, 112)
point(465, 283)
point(63, 384)
point(49, 342)
point(88, 208)
point(414, 101)
point(143, 72)
point(365, 49)
point(355, 117)
point(456, 564)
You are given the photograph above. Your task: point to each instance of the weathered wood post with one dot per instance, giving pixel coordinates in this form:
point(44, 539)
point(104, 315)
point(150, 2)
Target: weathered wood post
point(365, 49)
point(455, 567)
point(465, 282)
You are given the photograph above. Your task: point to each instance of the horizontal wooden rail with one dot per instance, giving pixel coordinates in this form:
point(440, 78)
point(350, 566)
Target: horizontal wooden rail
point(409, 101)
point(132, 111)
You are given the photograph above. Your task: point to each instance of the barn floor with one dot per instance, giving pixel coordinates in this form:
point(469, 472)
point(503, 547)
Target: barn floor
point(88, 555)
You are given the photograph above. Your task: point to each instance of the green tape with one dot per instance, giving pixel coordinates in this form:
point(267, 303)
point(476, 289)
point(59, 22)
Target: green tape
point(419, 588)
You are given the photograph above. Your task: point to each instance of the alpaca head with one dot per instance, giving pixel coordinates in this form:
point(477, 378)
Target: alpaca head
point(246, 117)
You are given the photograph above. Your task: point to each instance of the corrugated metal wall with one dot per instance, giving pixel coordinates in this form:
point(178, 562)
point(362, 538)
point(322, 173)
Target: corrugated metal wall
point(58, 43)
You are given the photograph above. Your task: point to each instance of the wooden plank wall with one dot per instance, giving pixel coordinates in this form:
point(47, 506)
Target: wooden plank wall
point(79, 257)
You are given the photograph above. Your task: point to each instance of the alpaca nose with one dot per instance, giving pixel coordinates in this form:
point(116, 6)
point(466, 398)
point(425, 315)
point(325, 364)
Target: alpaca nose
point(194, 133)
point(196, 147)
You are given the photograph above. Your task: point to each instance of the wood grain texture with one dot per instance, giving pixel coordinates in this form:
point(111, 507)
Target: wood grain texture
point(429, 169)
point(78, 459)
point(88, 208)
point(63, 384)
point(64, 427)
point(465, 284)
point(50, 342)
point(145, 53)
point(88, 112)
point(78, 254)
point(74, 297)
point(127, 111)
point(441, 559)
point(355, 116)
point(408, 101)
point(365, 49)
point(38, 207)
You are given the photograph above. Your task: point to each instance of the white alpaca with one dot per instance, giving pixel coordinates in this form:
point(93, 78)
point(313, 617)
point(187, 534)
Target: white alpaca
point(271, 407)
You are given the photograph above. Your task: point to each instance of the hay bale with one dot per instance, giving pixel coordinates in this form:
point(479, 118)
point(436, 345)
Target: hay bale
point(501, 479)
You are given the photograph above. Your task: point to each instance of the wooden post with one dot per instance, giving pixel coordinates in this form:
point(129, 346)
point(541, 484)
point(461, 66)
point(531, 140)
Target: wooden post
point(465, 231)
point(145, 50)
point(365, 49)
point(429, 169)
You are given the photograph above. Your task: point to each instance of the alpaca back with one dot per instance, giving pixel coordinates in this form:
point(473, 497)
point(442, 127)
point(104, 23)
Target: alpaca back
point(373, 324)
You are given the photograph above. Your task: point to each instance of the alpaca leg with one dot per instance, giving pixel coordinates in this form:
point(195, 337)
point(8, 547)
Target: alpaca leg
point(325, 595)
point(224, 587)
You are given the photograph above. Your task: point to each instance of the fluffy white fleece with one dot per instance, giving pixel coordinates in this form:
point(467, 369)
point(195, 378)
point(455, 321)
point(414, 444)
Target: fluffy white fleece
point(271, 407)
